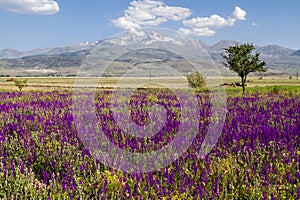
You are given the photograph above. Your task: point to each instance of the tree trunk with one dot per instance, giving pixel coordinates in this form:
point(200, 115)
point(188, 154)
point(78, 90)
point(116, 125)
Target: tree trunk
point(243, 83)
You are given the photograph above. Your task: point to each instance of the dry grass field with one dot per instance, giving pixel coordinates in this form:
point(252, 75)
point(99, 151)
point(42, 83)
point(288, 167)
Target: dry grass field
point(68, 83)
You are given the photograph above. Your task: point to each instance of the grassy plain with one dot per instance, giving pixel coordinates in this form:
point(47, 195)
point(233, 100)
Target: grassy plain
point(254, 84)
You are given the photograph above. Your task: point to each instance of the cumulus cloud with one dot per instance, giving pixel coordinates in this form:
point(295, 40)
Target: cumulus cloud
point(47, 7)
point(143, 13)
point(149, 13)
point(214, 21)
point(239, 14)
point(204, 26)
point(197, 31)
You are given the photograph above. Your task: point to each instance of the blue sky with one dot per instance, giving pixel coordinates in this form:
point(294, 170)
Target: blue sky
point(30, 24)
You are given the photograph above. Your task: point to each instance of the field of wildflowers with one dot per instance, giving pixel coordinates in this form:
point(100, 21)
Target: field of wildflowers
point(256, 157)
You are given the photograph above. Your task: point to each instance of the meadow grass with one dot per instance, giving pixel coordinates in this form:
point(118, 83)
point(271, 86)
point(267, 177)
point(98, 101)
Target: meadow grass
point(254, 84)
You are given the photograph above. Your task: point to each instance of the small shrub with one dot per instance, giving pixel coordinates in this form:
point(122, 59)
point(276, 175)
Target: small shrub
point(196, 80)
point(10, 80)
point(20, 84)
point(275, 90)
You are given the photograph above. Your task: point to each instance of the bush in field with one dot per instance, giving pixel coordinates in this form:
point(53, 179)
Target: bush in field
point(20, 84)
point(196, 80)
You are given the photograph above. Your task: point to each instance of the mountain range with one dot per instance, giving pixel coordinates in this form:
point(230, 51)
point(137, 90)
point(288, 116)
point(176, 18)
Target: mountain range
point(65, 61)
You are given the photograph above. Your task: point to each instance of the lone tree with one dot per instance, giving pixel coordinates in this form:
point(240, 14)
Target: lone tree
point(240, 59)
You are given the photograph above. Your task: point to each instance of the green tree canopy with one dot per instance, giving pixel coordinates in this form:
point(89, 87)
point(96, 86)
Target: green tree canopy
point(197, 81)
point(240, 58)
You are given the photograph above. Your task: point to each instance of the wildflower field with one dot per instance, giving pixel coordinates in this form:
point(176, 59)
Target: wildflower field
point(256, 157)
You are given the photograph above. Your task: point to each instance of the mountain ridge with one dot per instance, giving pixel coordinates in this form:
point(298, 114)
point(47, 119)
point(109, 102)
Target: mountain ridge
point(216, 47)
point(66, 60)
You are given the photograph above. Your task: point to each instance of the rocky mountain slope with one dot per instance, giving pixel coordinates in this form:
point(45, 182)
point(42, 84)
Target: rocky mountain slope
point(65, 61)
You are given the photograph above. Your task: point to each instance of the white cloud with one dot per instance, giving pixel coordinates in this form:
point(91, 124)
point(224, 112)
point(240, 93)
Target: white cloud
point(255, 24)
point(149, 13)
point(172, 13)
point(125, 23)
point(214, 21)
point(46, 7)
point(197, 31)
point(203, 26)
point(239, 14)
point(142, 13)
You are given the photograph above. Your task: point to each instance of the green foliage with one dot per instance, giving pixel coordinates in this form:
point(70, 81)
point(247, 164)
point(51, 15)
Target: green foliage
point(235, 167)
point(288, 90)
point(196, 80)
point(20, 83)
point(240, 59)
point(21, 185)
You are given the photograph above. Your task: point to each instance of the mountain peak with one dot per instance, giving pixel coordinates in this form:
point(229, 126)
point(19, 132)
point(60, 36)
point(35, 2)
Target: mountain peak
point(296, 53)
point(141, 37)
point(9, 53)
point(274, 50)
point(219, 46)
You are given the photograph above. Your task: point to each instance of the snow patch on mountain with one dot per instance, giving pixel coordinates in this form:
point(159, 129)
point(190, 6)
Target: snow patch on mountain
point(141, 37)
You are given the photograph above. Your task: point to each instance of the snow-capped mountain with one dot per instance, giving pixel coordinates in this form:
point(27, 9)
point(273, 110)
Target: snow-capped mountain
point(133, 37)
point(141, 37)
point(66, 60)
